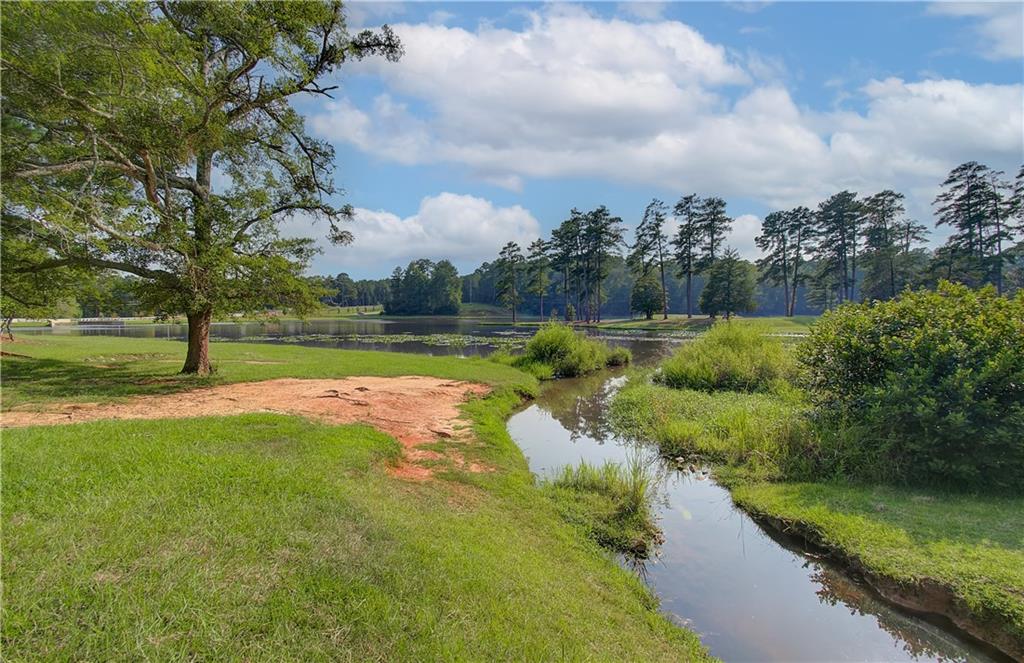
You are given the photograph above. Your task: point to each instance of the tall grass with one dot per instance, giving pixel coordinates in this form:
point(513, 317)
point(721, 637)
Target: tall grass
point(769, 434)
point(557, 350)
point(612, 502)
point(730, 356)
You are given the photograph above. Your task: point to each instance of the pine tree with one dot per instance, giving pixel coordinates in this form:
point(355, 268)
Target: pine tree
point(838, 222)
point(649, 248)
point(510, 262)
point(973, 203)
point(686, 243)
point(883, 215)
point(602, 237)
point(730, 286)
point(537, 267)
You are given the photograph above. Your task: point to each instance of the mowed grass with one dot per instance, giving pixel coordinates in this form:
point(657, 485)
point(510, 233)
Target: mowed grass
point(268, 537)
point(974, 545)
point(103, 368)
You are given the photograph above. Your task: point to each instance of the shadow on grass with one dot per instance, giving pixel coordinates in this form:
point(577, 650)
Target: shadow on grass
point(27, 380)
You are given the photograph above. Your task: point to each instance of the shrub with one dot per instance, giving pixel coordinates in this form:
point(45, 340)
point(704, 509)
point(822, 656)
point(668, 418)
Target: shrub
point(730, 356)
point(611, 502)
point(565, 353)
point(926, 388)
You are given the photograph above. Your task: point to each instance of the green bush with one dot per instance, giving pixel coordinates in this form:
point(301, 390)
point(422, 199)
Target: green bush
point(926, 388)
point(729, 356)
point(769, 434)
point(562, 352)
point(611, 502)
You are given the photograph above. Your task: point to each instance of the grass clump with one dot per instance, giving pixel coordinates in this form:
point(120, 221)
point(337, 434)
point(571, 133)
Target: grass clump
point(611, 502)
point(557, 350)
point(768, 434)
point(730, 356)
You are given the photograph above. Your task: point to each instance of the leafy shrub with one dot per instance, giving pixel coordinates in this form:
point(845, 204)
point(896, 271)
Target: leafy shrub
point(769, 434)
point(611, 502)
point(567, 353)
point(730, 356)
point(926, 388)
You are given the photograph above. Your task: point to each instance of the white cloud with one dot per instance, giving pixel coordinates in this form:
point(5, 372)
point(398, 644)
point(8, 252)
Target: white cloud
point(999, 26)
point(643, 9)
point(464, 229)
point(575, 95)
point(744, 229)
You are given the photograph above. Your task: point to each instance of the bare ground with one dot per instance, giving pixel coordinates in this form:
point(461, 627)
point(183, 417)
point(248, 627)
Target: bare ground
point(415, 410)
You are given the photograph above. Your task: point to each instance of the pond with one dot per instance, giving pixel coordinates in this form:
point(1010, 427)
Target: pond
point(751, 595)
point(424, 335)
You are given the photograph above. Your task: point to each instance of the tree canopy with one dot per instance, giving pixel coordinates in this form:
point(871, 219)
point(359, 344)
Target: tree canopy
point(158, 139)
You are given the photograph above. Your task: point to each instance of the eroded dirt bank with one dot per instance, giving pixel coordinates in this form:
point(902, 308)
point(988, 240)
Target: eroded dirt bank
point(927, 597)
point(414, 410)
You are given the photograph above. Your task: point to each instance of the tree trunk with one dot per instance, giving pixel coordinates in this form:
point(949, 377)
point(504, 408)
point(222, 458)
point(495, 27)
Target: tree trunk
point(689, 294)
point(197, 361)
point(542, 306)
point(664, 293)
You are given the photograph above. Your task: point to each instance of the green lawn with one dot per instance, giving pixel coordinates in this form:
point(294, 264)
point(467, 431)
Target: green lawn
point(98, 368)
point(267, 537)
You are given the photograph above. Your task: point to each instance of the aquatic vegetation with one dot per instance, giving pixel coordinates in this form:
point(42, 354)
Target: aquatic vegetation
point(729, 356)
point(569, 353)
point(768, 434)
point(611, 502)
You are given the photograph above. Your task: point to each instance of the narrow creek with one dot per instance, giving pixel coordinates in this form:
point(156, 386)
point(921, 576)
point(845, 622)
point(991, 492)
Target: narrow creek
point(750, 595)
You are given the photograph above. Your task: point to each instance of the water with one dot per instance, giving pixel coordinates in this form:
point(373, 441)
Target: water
point(750, 595)
point(422, 335)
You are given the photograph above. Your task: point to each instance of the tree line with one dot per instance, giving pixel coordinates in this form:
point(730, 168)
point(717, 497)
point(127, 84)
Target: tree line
point(849, 248)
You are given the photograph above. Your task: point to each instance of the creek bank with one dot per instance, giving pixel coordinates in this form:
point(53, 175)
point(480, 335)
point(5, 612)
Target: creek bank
point(927, 596)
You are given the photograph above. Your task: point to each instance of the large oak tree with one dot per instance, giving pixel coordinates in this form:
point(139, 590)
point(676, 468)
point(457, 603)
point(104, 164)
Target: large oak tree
point(159, 139)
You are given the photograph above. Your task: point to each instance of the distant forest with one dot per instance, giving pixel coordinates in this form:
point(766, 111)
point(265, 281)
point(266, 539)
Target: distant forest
point(849, 248)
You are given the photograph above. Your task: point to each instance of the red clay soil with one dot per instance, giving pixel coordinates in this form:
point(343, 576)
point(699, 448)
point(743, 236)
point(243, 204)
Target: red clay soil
point(414, 410)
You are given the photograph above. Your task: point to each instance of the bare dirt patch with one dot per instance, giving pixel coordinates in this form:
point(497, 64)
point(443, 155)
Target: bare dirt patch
point(414, 410)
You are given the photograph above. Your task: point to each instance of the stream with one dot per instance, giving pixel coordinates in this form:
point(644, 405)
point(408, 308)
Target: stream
point(750, 595)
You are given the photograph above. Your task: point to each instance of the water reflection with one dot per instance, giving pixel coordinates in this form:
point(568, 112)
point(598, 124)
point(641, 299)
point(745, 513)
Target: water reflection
point(750, 595)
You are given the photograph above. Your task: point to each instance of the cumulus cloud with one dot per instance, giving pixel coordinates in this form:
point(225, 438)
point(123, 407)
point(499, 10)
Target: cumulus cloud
point(999, 26)
point(461, 228)
point(571, 94)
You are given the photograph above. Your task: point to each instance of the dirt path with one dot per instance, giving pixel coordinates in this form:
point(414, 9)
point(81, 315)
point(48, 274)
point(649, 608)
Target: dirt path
point(414, 410)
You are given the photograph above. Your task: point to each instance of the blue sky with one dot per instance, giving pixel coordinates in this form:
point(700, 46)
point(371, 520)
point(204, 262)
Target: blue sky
point(502, 116)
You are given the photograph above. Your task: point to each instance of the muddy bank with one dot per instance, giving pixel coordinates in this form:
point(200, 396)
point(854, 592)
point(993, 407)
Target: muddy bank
point(927, 597)
point(414, 410)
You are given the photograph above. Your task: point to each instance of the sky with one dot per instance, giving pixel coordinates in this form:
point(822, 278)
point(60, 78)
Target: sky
point(502, 116)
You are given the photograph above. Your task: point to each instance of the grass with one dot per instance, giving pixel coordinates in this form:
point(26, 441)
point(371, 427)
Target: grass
point(267, 537)
point(764, 433)
point(973, 545)
point(611, 503)
point(557, 350)
point(730, 356)
point(102, 368)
